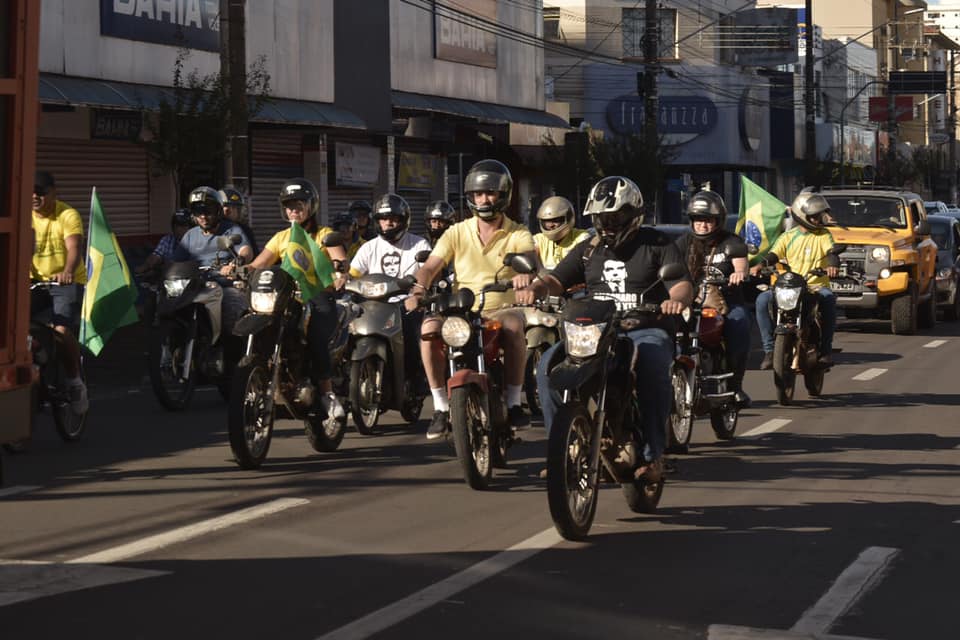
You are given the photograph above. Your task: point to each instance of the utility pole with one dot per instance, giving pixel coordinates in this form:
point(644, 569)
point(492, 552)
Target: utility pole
point(952, 126)
point(892, 41)
point(808, 100)
point(651, 59)
point(233, 73)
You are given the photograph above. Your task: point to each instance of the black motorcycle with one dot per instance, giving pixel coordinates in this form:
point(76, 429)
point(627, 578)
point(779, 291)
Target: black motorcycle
point(189, 347)
point(272, 378)
point(599, 419)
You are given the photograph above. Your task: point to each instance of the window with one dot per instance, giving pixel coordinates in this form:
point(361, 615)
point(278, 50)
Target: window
point(551, 24)
point(634, 27)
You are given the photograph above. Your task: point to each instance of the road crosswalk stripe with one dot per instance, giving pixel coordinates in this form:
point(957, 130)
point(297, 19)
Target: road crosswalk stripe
point(16, 489)
point(934, 344)
point(869, 374)
point(767, 427)
point(182, 534)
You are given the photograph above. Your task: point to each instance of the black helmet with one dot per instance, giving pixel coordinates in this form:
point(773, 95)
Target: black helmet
point(809, 210)
point(344, 223)
point(616, 207)
point(206, 200)
point(359, 206)
point(443, 211)
point(707, 205)
point(489, 175)
point(391, 205)
point(554, 208)
point(181, 218)
point(303, 190)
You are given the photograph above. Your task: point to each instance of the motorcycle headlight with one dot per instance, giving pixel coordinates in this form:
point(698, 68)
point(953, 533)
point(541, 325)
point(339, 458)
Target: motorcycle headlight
point(455, 331)
point(944, 273)
point(880, 254)
point(787, 297)
point(373, 289)
point(263, 301)
point(582, 341)
point(175, 286)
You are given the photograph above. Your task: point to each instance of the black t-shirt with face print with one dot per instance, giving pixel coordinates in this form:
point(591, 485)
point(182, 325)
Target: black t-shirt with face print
point(622, 275)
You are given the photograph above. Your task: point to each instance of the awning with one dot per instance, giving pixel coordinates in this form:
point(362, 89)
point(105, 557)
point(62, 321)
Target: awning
point(483, 111)
point(89, 92)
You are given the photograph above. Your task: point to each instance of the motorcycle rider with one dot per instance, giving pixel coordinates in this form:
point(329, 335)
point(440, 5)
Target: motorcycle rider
point(300, 202)
point(804, 247)
point(346, 225)
point(623, 246)
point(393, 253)
point(709, 241)
point(361, 210)
point(557, 234)
point(58, 256)
point(475, 249)
point(440, 215)
point(235, 210)
point(180, 223)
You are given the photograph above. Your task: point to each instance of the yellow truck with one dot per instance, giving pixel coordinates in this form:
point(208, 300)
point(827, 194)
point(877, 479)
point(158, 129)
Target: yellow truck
point(888, 269)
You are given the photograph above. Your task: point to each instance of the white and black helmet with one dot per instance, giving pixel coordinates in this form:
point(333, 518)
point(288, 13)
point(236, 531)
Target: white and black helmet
point(556, 208)
point(615, 205)
point(390, 205)
point(489, 175)
point(303, 190)
point(707, 205)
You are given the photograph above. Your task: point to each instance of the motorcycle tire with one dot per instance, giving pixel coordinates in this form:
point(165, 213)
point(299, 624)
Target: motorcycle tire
point(172, 393)
point(70, 425)
point(324, 435)
point(366, 380)
point(530, 380)
point(813, 381)
point(784, 377)
point(411, 409)
point(724, 421)
point(472, 435)
point(680, 425)
point(642, 496)
point(249, 424)
point(573, 481)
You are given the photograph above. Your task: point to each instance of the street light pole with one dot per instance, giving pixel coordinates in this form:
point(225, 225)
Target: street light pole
point(843, 111)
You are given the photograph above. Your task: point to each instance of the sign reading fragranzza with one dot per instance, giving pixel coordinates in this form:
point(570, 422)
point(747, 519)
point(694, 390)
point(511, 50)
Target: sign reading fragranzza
point(194, 24)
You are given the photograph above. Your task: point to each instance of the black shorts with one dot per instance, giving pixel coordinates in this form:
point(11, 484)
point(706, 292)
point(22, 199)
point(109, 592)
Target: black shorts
point(57, 305)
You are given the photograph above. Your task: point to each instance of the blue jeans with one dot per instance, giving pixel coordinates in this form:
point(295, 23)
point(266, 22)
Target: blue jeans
point(736, 331)
point(655, 352)
point(828, 312)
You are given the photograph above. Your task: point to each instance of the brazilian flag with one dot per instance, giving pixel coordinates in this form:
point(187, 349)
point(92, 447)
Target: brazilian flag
point(761, 217)
point(306, 263)
point(109, 297)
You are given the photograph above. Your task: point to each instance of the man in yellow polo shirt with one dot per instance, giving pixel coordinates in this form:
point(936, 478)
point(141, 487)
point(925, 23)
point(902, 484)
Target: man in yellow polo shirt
point(58, 257)
point(475, 249)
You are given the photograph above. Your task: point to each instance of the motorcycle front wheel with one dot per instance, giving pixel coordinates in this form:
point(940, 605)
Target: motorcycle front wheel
point(724, 421)
point(165, 366)
point(680, 426)
point(366, 380)
point(249, 421)
point(784, 377)
point(530, 379)
point(642, 496)
point(572, 477)
point(470, 419)
point(70, 425)
point(324, 436)
point(813, 381)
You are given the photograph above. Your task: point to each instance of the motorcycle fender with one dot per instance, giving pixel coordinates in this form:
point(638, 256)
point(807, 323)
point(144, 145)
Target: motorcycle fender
point(369, 346)
point(573, 375)
point(252, 324)
point(376, 315)
point(898, 282)
point(537, 336)
point(465, 377)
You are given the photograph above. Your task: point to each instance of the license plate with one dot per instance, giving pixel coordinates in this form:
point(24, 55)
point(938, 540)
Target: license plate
point(844, 286)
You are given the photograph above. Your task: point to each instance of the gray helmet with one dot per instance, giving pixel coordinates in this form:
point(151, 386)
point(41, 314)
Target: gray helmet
point(303, 190)
point(615, 205)
point(554, 208)
point(390, 205)
point(206, 200)
point(707, 205)
point(489, 175)
point(809, 210)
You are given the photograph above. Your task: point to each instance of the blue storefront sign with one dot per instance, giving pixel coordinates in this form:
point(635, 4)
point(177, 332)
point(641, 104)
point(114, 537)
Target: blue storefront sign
point(194, 24)
point(691, 115)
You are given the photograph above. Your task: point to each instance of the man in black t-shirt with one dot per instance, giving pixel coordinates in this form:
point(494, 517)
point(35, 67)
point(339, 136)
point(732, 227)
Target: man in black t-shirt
point(620, 264)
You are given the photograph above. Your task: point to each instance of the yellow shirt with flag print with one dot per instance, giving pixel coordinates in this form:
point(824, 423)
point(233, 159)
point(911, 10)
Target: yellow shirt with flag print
point(805, 250)
point(50, 246)
point(278, 243)
point(551, 253)
point(474, 264)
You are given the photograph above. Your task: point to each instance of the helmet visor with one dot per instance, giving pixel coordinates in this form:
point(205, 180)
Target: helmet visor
point(205, 208)
point(612, 221)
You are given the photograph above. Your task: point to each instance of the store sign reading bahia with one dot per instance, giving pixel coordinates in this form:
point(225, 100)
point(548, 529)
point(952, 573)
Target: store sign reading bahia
point(682, 118)
point(194, 24)
point(463, 31)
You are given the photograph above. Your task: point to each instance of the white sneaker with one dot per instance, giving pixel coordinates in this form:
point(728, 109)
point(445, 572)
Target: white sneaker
point(332, 406)
point(79, 403)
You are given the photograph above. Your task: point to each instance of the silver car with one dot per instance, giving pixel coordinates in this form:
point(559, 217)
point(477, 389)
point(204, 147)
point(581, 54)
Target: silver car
point(945, 231)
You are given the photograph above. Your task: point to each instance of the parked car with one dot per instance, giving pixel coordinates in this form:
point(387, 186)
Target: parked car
point(936, 207)
point(945, 231)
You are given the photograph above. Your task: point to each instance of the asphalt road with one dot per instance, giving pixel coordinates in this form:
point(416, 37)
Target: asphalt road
point(839, 516)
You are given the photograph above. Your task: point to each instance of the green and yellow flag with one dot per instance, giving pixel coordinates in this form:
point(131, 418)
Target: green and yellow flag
point(306, 263)
point(761, 217)
point(110, 296)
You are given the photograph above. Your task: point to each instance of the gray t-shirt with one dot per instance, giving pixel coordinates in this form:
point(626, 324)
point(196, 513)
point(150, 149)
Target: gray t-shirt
point(196, 245)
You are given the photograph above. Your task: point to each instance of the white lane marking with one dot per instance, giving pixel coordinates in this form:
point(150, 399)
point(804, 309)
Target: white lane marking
point(855, 581)
point(729, 632)
point(934, 344)
point(400, 610)
point(14, 490)
point(24, 580)
point(870, 374)
point(767, 427)
point(139, 547)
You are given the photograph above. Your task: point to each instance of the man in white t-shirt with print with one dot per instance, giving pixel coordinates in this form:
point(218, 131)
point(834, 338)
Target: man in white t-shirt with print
point(393, 252)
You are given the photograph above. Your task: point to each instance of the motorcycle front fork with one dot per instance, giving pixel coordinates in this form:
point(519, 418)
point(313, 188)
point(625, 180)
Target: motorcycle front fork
point(188, 349)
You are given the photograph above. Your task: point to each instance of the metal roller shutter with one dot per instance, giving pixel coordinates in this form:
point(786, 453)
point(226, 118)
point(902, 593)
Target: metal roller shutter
point(277, 157)
point(338, 199)
point(119, 170)
point(418, 201)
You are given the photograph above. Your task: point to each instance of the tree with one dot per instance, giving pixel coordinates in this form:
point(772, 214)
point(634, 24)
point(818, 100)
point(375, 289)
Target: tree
point(190, 127)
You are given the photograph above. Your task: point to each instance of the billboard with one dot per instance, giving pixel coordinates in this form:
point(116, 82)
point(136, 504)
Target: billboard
point(759, 37)
point(464, 31)
point(194, 24)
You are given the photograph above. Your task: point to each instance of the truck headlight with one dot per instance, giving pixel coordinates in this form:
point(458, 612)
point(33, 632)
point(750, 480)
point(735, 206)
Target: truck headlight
point(455, 331)
point(582, 341)
point(944, 273)
point(880, 254)
point(787, 297)
point(263, 301)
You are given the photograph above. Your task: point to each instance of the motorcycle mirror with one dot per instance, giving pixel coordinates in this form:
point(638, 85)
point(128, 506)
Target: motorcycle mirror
point(752, 249)
point(837, 249)
point(225, 243)
point(519, 262)
point(737, 251)
point(672, 271)
point(333, 239)
point(422, 256)
point(407, 282)
point(236, 238)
